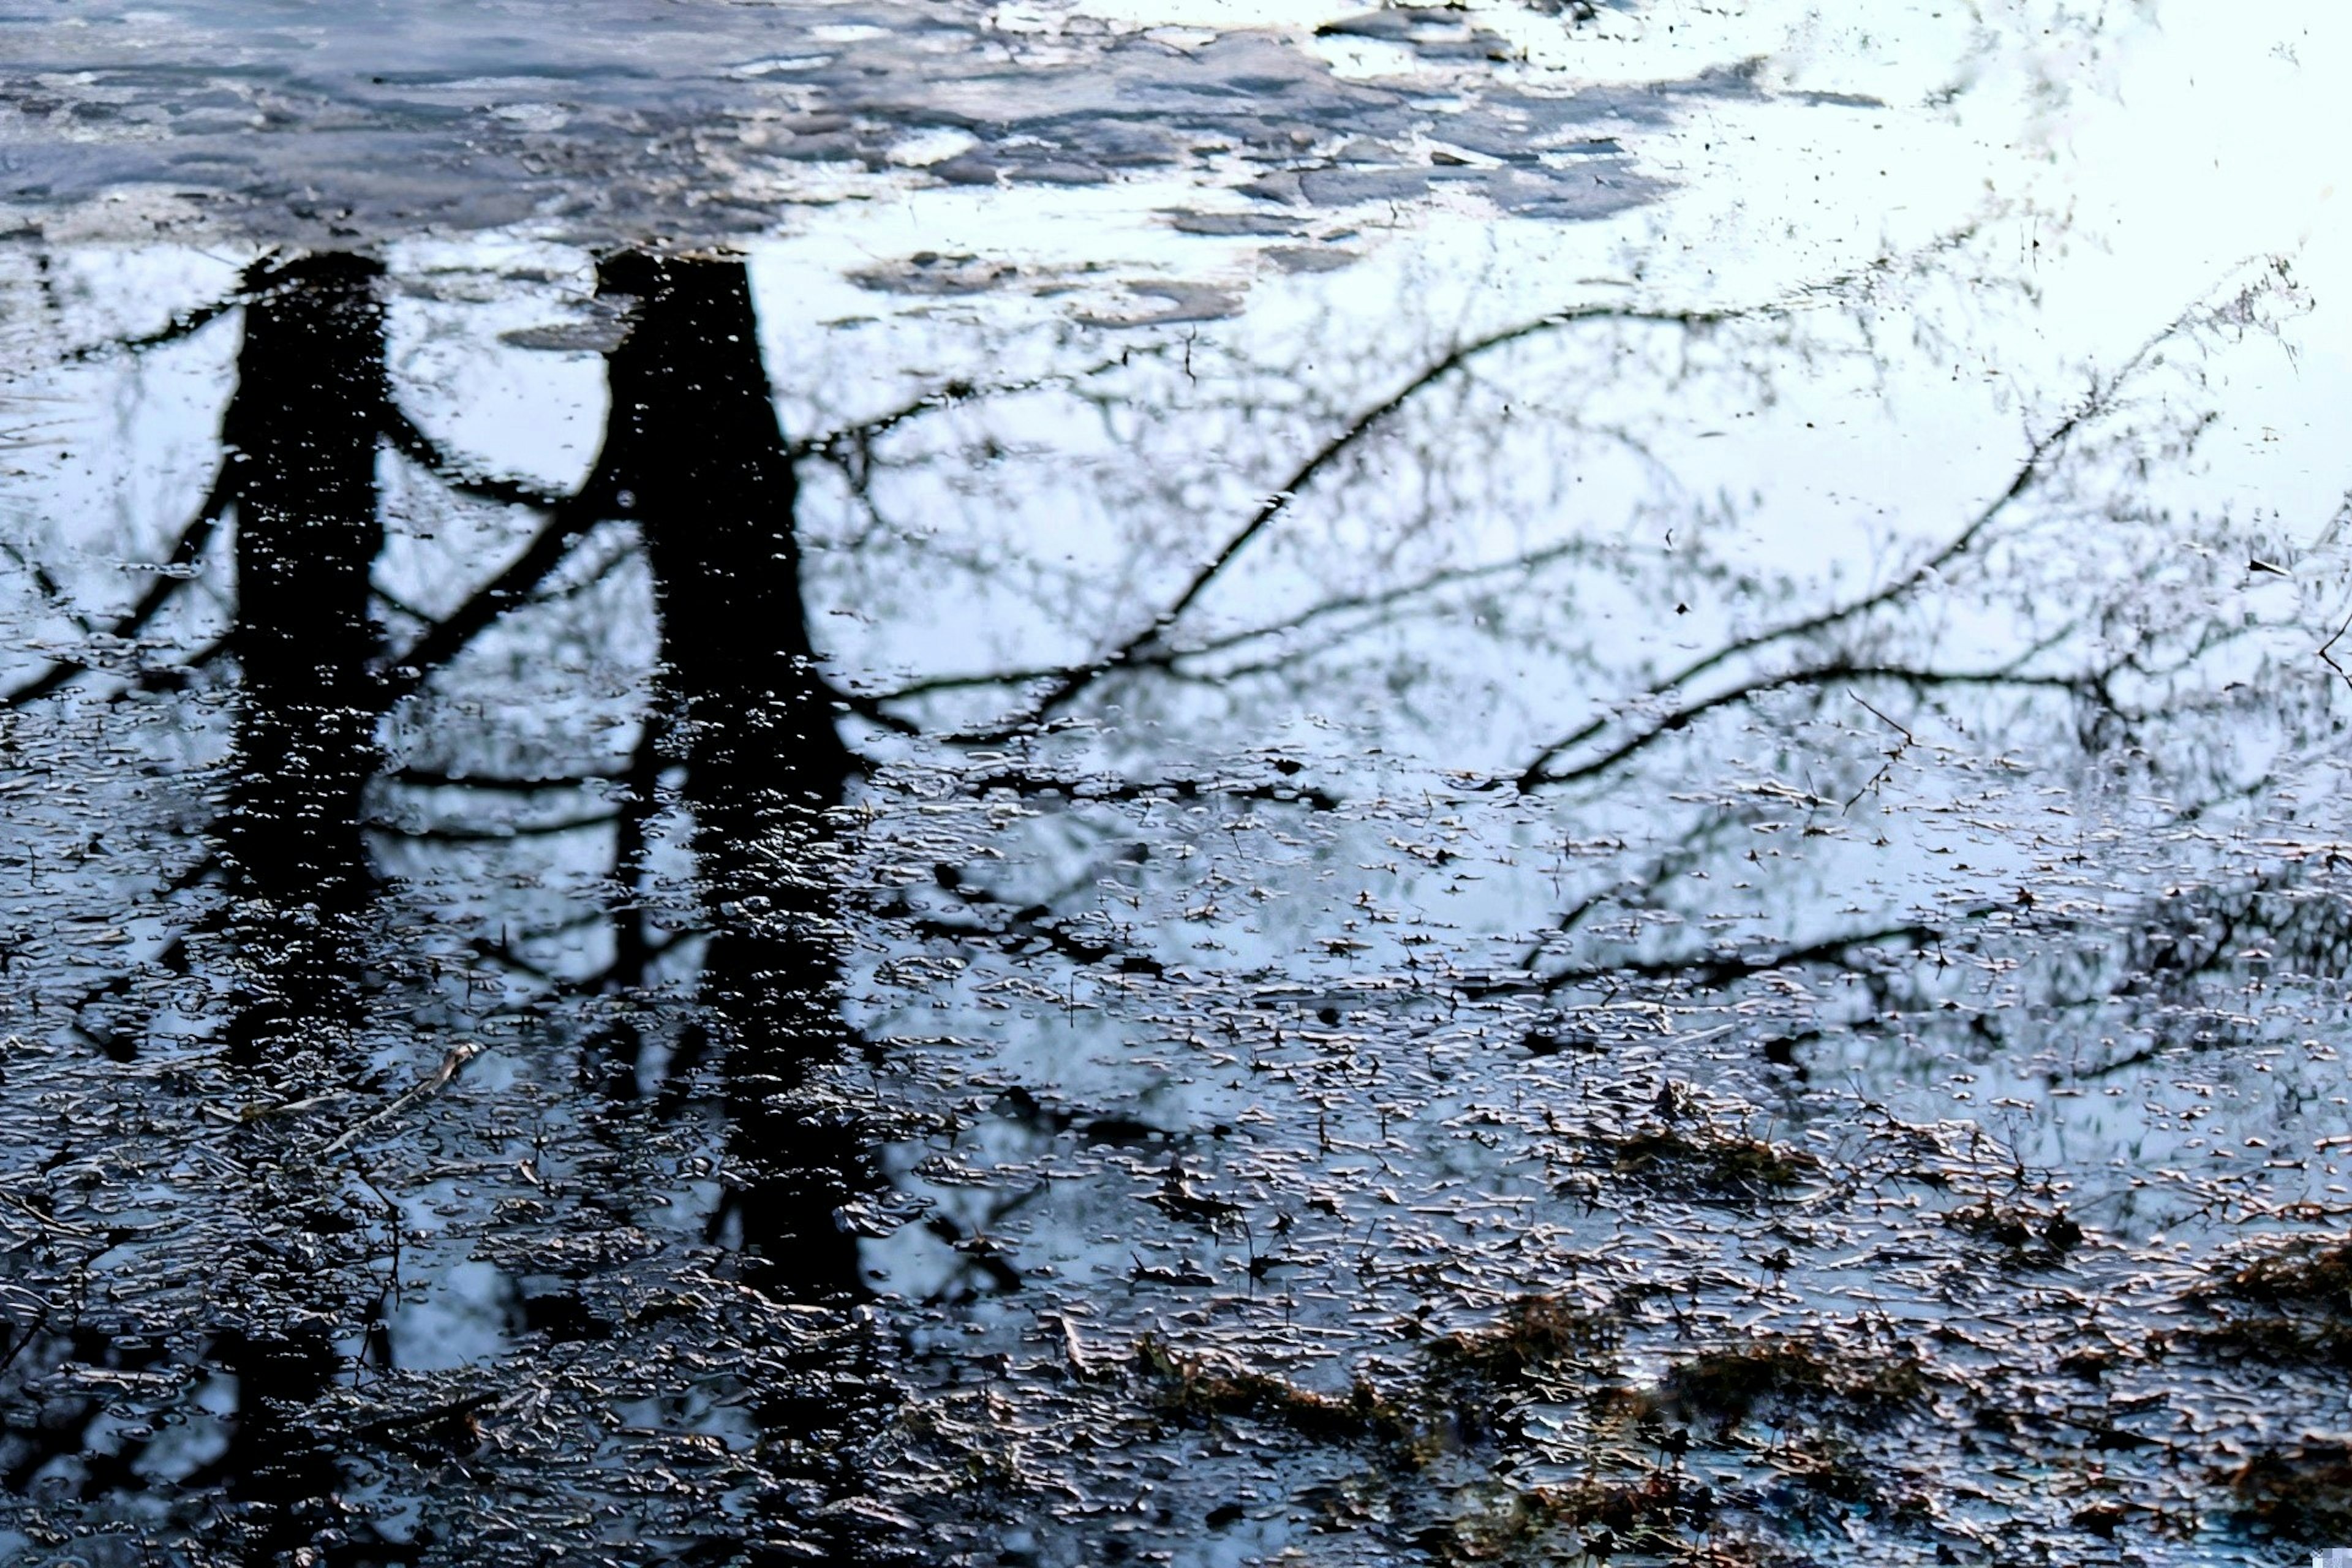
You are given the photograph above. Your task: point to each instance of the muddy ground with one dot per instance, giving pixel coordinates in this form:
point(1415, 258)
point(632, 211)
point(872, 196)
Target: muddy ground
point(1065, 785)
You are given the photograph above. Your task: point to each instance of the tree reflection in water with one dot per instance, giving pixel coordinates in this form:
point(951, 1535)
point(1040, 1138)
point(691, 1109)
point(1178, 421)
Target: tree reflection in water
point(987, 1116)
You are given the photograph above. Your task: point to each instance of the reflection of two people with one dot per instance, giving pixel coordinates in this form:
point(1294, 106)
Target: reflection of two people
point(694, 457)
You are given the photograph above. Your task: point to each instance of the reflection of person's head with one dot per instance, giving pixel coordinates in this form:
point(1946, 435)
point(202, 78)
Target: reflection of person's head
point(694, 445)
point(302, 431)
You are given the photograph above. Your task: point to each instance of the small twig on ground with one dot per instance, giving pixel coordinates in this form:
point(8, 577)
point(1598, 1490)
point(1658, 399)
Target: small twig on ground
point(252, 1113)
point(1908, 738)
point(1886, 768)
point(437, 1080)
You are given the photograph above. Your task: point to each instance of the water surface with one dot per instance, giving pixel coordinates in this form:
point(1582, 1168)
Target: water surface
point(1025, 786)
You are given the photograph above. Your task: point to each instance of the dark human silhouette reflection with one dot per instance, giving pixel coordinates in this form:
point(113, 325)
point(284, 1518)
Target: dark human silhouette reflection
point(298, 472)
point(300, 439)
point(694, 455)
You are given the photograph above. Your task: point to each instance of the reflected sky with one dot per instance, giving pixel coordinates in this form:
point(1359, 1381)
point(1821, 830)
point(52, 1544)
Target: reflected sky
point(1003, 875)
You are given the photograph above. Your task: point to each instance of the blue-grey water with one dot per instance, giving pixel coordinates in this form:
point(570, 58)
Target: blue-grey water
point(1158, 780)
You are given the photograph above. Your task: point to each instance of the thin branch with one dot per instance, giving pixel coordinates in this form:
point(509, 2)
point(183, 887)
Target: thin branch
point(423, 778)
point(443, 639)
point(1163, 658)
point(186, 324)
point(2037, 457)
point(172, 575)
point(2328, 658)
point(1151, 638)
point(444, 835)
point(433, 1083)
point(1885, 769)
point(1682, 718)
point(413, 442)
point(1713, 970)
point(836, 446)
point(50, 588)
point(1908, 738)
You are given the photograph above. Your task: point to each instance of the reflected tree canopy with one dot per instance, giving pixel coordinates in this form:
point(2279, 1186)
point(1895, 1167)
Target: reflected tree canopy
point(1117, 952)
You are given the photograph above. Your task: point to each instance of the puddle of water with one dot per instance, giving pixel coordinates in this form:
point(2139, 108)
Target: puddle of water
point(1097, 783)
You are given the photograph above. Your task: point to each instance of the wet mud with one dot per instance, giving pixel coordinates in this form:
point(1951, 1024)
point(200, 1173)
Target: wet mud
point(683, 889)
